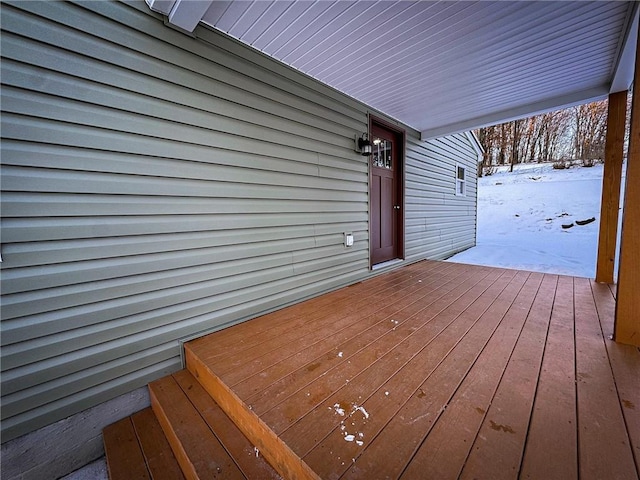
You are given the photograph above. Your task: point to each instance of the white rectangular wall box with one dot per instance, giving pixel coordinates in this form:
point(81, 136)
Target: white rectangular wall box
point(348, 239)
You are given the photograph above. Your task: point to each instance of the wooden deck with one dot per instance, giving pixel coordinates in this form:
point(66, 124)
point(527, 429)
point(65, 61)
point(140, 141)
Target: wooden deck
point(435, 370)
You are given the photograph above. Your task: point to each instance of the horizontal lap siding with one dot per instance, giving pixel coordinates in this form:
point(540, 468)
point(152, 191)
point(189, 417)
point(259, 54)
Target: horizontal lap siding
point(154, 189)
point(438, 223)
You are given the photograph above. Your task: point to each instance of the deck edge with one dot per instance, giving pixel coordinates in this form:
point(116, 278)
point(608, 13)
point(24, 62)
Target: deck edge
point(281, 457)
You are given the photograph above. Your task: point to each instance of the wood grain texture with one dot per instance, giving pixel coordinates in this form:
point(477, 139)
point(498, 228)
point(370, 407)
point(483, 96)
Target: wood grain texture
point(611, 181)
point(627, 326)
point(373, 364)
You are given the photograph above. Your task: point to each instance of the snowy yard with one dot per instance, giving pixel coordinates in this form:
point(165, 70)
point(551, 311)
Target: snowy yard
point(521, 217)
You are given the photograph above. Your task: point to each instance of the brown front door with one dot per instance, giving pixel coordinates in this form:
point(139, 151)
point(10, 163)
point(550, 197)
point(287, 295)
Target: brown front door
point(386, 194)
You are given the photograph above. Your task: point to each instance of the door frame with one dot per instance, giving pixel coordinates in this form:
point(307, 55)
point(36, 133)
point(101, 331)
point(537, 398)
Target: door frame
point(400, 185)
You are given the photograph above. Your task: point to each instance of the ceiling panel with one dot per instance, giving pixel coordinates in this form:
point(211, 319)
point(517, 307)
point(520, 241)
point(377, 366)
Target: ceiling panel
point(445, 66)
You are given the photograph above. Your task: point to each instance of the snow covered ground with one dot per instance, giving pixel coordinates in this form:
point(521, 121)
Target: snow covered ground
point(520, 218)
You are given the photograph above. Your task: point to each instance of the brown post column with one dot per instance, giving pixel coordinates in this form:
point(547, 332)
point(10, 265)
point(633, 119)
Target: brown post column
point(627, 324)
point(614, 150)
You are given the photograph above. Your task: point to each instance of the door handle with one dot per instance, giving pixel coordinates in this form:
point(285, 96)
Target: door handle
point(397, 207)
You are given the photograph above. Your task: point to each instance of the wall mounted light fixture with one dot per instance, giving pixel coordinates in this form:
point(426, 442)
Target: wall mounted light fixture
point(363, 145)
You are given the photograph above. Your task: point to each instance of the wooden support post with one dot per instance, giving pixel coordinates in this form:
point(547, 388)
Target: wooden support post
point(614, 151)
point(627, 323)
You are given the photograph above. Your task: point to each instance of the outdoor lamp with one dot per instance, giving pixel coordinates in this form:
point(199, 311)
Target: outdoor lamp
point(363, 145)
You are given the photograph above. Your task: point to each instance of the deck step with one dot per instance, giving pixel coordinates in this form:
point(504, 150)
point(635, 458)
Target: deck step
point(184, 434)
point(279, 454)
point(136, 448)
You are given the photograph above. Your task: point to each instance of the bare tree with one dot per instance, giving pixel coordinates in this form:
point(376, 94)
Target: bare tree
point(516, 139)
point(589, 130)
point(532, 137)
point(578, 131)
point(554, 125)
point(504, 141)
point(486, 138)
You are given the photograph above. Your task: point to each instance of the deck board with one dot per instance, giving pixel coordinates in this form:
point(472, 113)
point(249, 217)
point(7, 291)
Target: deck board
point(497, 449)
point(124, 453)
point(551, 448)
point(252, 338)
point(375, 327)
point(406, 425)
point(394, 348)
point(339, 322)
point(437, 370)
point(248, 459)
point(198, 451)
point(600, 420)
point(459, 425)
point(445, 435)
point(402, 383)
point(624, 360)
point(161, 462)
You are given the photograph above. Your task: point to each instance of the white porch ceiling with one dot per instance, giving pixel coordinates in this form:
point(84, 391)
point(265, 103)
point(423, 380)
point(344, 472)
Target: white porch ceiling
point(440, 67)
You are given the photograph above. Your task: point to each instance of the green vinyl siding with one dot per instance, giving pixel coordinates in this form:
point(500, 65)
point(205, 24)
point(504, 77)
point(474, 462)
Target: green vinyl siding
point(439, 223)
point(157, 186)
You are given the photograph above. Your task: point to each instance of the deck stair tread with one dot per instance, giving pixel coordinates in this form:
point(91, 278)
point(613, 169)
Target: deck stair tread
point(136, 448)
point(437, 370)
point(184, 434)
